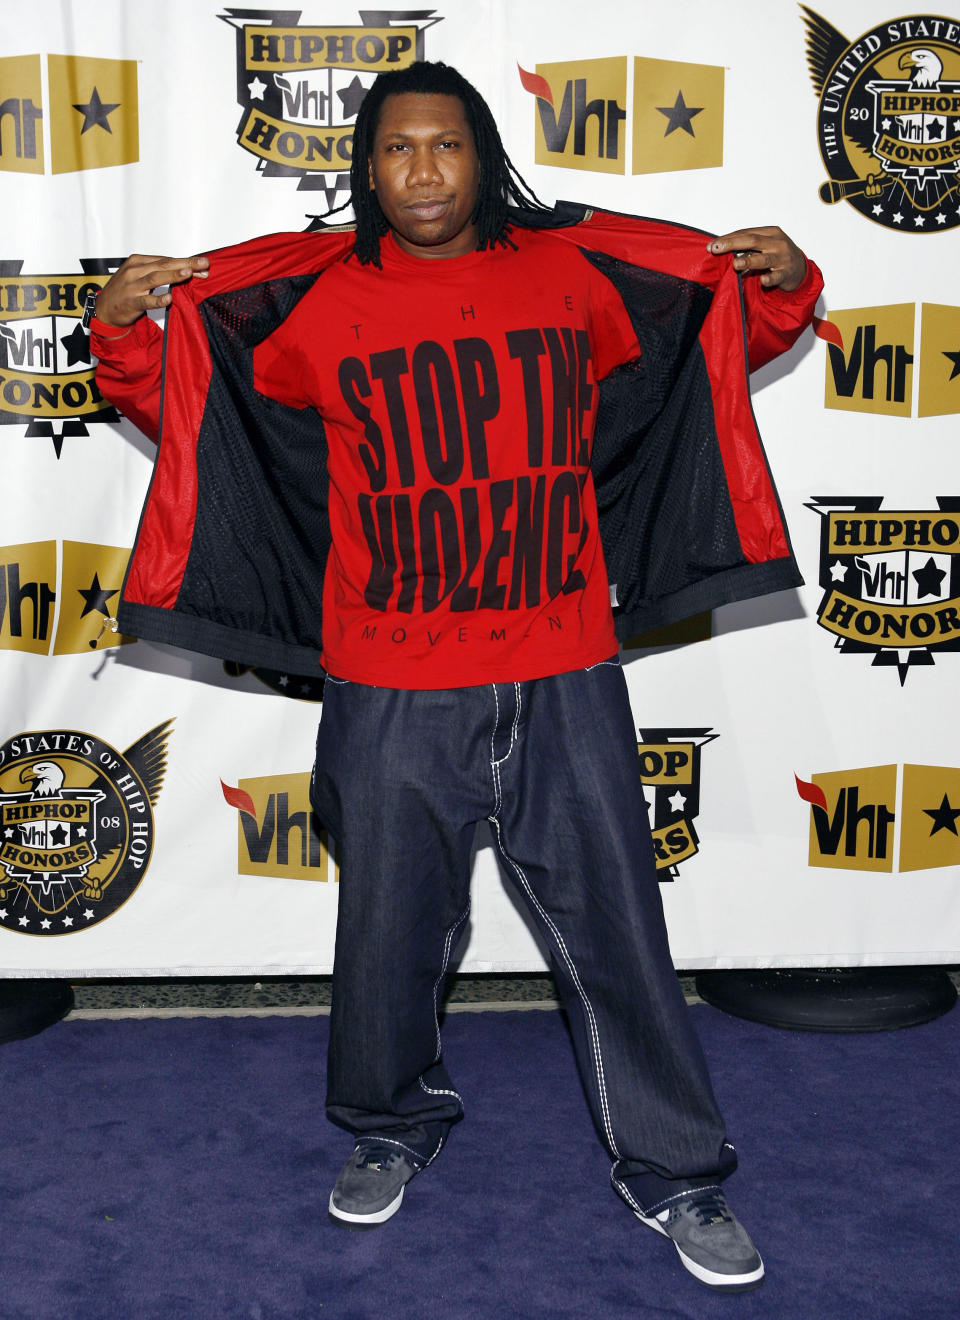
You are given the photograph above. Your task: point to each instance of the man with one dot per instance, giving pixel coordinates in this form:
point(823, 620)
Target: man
point(459, 354)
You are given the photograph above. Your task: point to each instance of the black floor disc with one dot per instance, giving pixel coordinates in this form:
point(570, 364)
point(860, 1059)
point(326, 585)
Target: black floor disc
point(831, 998)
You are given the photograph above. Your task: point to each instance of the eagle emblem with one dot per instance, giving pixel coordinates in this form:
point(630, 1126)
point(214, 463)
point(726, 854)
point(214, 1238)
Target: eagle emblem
point(76, 826)
point(889, 119)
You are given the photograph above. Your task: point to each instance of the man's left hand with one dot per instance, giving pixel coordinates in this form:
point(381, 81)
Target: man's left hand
point(765, 251)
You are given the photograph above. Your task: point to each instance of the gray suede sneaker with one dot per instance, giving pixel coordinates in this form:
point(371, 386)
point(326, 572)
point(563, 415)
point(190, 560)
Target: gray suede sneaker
point(370, 1187)
point(710, 1240)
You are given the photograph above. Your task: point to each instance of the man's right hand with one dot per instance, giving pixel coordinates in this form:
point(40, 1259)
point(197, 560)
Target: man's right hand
point(130, 290)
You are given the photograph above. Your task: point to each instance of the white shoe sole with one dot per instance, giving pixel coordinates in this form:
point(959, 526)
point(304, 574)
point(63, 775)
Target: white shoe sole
point(369, 1220)
point(718, 1282)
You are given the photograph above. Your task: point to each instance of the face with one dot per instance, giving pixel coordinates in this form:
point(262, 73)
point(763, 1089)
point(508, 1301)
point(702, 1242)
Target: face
point(425, 173)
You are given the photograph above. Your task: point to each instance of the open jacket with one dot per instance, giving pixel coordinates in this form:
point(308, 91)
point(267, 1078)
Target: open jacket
point(233, 539)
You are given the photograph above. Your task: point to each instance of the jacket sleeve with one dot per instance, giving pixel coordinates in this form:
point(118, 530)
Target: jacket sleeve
point(128, 370)
point(775, 319)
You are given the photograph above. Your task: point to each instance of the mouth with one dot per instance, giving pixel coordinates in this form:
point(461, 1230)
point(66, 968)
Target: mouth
point(430, 208)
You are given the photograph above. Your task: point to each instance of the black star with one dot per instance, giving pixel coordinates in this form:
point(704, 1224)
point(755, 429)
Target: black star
point(935, 129)
point(944, 817)
point(679, 114)
point(351, 97)
point(955, 359)
point(58, 835)
point(929, 578)
point(95, 113)
point(96, 597)
point(77, 344)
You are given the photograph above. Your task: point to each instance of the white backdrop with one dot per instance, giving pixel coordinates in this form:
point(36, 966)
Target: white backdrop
point(204, 880)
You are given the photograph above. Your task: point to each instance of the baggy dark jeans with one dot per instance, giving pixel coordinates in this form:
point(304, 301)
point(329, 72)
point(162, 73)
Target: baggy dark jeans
point(401, 779)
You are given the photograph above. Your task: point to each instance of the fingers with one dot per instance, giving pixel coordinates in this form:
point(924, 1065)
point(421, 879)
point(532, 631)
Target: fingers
point(131, 290)
point(764, 251)
point(165, 265)
point(141, 275)
point(742, 239)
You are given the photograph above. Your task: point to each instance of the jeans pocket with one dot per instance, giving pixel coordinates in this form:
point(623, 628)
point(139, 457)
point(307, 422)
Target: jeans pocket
point(614, 661)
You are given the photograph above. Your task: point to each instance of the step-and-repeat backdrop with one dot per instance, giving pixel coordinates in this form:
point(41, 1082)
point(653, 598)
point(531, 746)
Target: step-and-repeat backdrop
point(800, 753)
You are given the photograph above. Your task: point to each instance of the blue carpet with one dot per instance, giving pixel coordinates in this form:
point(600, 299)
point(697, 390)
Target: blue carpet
point(179, 1170)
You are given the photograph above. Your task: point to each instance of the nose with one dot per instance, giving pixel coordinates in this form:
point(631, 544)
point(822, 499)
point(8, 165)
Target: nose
point(423, 168)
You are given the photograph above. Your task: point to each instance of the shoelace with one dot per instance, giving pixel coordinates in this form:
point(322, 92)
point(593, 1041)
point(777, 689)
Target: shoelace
point(710, 1208)
point(377, 1157)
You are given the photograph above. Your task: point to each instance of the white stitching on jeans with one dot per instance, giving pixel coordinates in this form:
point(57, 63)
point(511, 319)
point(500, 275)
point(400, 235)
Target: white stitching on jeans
point(588, 1008)
point(437, 1149)
point(447, 949)
point(376, 1140)
point(496, 722)
point(513, 728)
point(625, 1192)
point(657, 1205)
point(430, 1090)
point(494, 763)
point(660, 1206)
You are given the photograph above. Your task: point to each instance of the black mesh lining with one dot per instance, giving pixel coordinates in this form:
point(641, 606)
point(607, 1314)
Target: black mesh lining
point(262, 530)
point(655, 437)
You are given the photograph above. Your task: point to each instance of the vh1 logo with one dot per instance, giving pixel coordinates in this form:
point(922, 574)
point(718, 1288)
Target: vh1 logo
point(853, 814)
point(91, 112)
point(90, 577)
point(872, 352)
point(583, 115)
point(278, 833)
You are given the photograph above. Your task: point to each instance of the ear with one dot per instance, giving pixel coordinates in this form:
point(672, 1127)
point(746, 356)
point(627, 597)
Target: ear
point(373, 186)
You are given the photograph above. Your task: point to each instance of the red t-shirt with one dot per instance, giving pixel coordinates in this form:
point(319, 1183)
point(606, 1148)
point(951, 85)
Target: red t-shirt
point(459, 399)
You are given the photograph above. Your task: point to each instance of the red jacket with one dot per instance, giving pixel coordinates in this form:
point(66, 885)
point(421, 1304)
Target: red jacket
point(233, 538)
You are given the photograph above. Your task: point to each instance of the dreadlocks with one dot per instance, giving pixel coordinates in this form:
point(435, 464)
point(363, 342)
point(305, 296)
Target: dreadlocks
point(500, 184)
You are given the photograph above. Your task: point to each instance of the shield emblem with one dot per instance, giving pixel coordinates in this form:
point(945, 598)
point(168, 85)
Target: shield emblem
point(917, 123)
point(48, 837)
